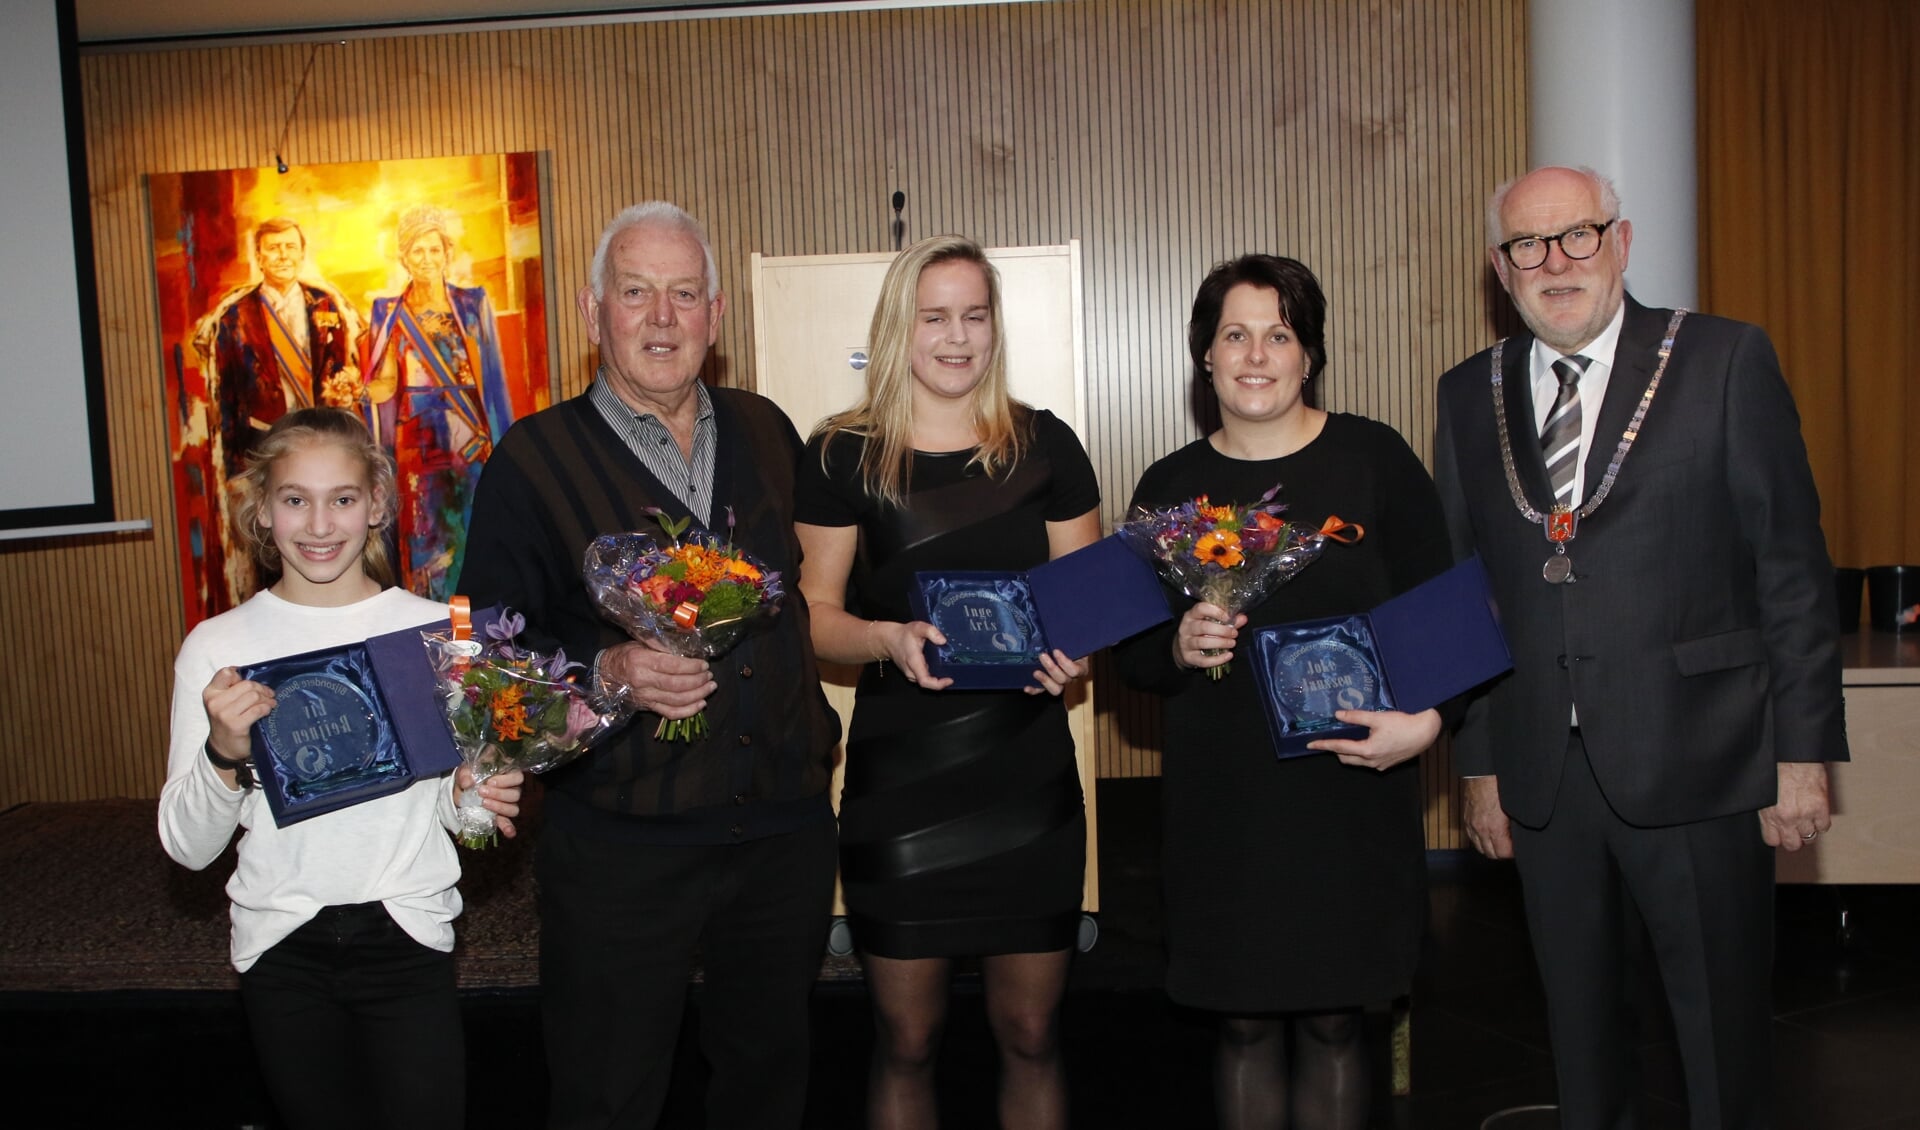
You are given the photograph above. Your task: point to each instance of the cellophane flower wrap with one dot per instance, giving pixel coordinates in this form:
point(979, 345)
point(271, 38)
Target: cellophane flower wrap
point(1226, 554)
point(695, 594)
point(511, 708)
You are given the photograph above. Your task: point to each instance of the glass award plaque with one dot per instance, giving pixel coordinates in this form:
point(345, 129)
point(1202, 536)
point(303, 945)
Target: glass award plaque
point(986, 622)
point(1308, 671)
point(994, 632)
point(1412, 652)
point(999, 622)
point(349, 723)
point(1313, 678)
point(322, 724)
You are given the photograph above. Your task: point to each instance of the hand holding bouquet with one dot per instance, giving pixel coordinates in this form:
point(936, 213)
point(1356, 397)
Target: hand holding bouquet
point(694, 595)
point(510, 708)
point(1228, 555)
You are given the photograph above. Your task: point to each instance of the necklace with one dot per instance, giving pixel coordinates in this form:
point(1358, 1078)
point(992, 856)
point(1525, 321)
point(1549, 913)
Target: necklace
point(1560, 523)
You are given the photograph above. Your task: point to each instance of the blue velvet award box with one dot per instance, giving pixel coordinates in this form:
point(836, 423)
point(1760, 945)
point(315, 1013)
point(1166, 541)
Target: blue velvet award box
point(998, 623)
point(1410, 653)
point(350, 723)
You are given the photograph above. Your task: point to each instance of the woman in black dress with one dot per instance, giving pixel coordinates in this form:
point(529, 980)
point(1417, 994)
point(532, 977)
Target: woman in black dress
point(962, 827)
point(1295, 889)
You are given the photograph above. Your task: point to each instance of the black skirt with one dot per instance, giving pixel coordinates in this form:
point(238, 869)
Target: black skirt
point(962, 828)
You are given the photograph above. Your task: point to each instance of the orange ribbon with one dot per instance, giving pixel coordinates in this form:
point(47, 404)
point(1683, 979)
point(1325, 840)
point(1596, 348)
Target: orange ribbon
point(1335, 526)
point(687, 615)
point(460, 620)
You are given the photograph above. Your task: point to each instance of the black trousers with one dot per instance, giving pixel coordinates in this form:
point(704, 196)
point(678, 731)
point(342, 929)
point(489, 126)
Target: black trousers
point(1705, 892)
point(357, 1025)
point(621, 926)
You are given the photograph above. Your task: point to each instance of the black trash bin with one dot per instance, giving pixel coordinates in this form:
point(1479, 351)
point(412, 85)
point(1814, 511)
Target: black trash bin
point(1893, 595)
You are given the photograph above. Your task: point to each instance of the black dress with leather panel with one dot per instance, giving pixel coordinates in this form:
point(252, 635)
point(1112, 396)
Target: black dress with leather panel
point(962, 826)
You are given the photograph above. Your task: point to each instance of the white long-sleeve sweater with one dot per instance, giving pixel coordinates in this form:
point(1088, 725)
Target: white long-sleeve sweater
point(394, 849)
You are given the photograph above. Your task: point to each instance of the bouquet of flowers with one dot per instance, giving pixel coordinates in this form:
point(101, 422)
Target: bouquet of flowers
point(1228, 555)
point(694, 594)
point(510, 708)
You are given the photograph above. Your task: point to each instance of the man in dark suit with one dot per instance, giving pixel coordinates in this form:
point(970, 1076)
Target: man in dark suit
point(277, 344)
point(267, 348)
point(1636, 485)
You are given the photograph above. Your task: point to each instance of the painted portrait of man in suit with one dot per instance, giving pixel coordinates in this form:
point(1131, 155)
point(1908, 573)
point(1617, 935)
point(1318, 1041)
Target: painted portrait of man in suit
point(271, 347)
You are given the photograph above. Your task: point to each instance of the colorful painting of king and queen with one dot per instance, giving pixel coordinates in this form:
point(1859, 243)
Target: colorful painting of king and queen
point(411, 292)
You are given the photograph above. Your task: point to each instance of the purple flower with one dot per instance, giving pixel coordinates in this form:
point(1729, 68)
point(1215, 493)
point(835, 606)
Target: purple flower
point(560, 665)
point(509, 625)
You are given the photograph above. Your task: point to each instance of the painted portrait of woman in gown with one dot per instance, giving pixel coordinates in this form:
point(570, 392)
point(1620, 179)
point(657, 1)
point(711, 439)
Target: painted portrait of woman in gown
point(440, 399)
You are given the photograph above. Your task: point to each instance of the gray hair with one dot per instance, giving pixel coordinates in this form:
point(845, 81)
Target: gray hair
point(657, 213)
point(1609, 199)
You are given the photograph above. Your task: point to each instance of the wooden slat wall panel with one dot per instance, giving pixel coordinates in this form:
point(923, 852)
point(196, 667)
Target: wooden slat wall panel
point(1165, 135)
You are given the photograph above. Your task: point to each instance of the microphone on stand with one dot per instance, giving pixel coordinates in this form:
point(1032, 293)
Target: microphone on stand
point(899, 225)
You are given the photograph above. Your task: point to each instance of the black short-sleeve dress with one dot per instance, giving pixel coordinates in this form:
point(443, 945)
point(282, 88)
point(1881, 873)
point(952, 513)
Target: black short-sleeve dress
point(1295, 885)
point(962, 827)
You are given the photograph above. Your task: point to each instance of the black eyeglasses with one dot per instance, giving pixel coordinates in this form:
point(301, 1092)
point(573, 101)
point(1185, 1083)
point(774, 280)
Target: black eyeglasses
point(1580, 242)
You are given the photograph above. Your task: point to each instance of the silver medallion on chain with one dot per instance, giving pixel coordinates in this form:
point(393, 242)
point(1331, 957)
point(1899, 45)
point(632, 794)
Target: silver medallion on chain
point(1560, 523)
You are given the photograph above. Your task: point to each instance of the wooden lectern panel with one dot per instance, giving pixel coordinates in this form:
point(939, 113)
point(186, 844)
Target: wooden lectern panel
point(1875, 836)
point(811, 314)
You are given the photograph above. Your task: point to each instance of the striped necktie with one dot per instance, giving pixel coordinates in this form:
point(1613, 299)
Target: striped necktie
point(1560, 438)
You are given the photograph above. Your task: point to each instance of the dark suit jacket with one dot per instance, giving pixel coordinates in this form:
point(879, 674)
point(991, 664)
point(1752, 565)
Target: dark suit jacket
point(1700, 640)
point(248, 369)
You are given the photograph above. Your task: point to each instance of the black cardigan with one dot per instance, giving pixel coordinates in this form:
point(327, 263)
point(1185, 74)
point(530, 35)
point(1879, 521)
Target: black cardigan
point(562, 477)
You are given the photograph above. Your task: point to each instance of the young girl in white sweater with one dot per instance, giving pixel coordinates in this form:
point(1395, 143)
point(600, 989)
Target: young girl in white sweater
point(342, 923)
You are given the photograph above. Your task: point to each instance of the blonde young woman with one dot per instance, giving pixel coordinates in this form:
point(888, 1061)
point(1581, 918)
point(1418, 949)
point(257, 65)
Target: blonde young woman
point(962, 828)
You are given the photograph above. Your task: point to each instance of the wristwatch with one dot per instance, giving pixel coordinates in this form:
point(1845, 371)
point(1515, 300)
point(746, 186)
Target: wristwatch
point(242, 770)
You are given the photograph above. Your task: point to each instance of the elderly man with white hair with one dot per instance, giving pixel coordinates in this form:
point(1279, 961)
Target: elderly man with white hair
point(1635, 482)
point(656, 851)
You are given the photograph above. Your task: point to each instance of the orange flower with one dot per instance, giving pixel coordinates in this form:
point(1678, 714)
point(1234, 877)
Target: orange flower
point(1222, 547)
point(740, 567)
point(655, 588)
point(1267, 521)
point(703, 566)
point(1213, 513)
point(509, 715)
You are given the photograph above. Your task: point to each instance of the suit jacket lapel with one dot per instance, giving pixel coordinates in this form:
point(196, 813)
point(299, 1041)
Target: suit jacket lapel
point(1633, 361)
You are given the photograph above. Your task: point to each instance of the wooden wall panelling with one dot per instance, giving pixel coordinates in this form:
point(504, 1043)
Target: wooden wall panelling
point(1361, 138)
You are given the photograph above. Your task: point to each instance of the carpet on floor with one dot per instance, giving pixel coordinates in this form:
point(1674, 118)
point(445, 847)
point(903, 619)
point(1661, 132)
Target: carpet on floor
point(90, 903)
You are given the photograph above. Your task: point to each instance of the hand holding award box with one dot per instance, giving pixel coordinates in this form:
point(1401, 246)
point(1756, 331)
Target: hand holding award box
point(1411, 653)
point(998, 622)
point(349, 724)
point(364, 720)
